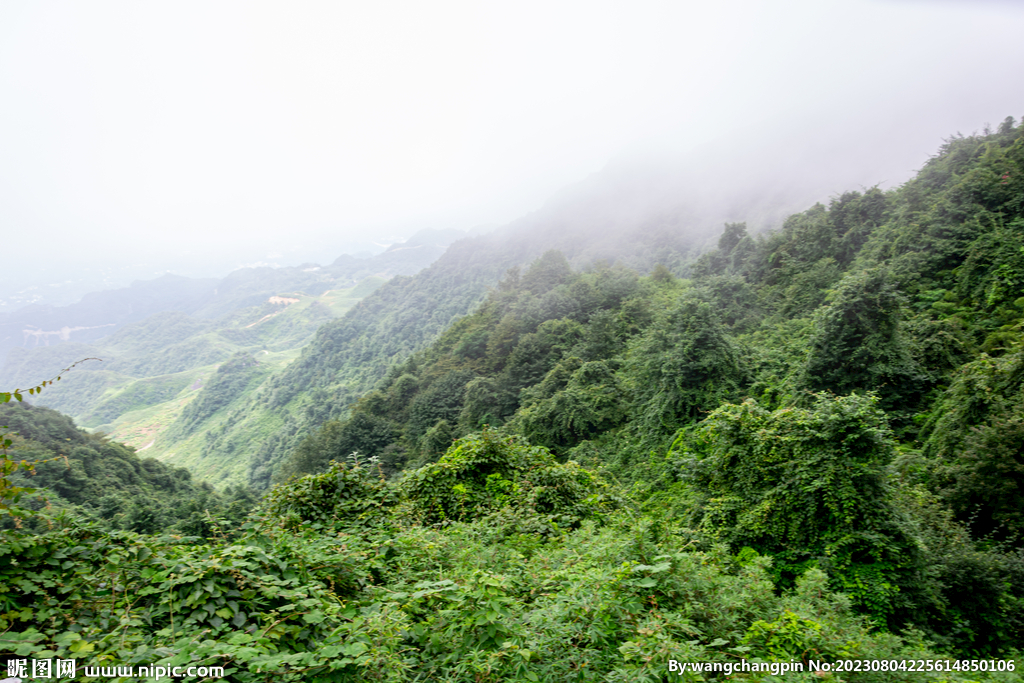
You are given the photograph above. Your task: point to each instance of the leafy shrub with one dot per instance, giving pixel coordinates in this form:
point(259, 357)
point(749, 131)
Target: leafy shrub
point(485, 472)
point(807, 486)
point(341, 496)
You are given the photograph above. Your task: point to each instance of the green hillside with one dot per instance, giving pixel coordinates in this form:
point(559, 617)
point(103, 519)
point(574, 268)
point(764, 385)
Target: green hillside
point(348, 356)
point(343, 360)
point(806, 455)
point(878, 337)
point(896, 293)
point(89, 477)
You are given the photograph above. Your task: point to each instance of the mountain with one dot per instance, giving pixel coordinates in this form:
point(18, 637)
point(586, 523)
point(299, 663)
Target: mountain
point(806, 451)
point(635, 214)
point(100, 314)
point(146, 374)
point(155, 364)
point(909, 294)
point(845, 391)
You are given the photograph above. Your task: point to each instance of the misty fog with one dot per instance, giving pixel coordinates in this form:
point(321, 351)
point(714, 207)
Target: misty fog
point(196, 138)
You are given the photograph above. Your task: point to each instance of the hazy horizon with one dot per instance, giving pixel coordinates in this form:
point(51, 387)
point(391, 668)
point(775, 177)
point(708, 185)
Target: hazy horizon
point(197, 137)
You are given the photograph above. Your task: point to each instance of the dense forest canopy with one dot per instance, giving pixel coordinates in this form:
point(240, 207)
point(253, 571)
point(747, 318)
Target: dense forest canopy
point(803, 445)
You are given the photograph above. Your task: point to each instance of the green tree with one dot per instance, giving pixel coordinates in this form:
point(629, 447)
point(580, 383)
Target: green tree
point(336, 440)
point(592, 402)
point(858, 343)
point(683, 366)
point(976, 441)
point(547, 272)
point(808, 487)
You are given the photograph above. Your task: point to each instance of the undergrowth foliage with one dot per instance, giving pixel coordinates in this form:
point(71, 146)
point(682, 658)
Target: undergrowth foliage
point(497, 563)
point(611, 601)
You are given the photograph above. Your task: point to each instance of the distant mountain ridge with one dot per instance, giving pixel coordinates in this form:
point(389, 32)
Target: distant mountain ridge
point(166, 357)
point(100, 314)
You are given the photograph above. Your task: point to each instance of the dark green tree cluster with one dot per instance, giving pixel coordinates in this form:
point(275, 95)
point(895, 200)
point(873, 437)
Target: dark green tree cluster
point(88, 476)
point(975, 444)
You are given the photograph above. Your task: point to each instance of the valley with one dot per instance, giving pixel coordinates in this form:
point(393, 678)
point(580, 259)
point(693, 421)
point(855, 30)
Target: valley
point(152, 368)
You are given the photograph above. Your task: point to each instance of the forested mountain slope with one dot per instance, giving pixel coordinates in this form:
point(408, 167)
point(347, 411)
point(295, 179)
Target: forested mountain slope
point(892, 320)
point(153, 368)
point(890, 292)
point(809, 450)
point(86, 475)
point(636, 218)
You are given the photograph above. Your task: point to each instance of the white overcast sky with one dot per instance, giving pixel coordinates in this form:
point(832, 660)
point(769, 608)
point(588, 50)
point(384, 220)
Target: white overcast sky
point(144, 130)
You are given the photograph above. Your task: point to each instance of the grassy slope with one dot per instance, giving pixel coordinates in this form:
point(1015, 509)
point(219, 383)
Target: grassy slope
point(150, 427)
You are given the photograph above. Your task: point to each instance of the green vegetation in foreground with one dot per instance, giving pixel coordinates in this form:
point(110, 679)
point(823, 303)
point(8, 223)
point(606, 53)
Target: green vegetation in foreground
point(496, 563)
